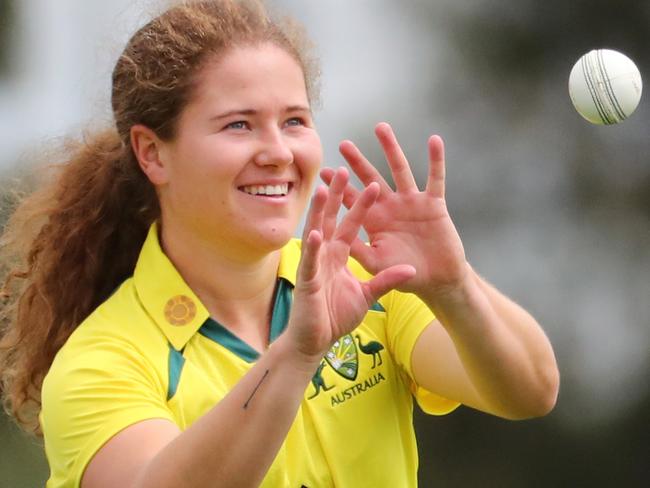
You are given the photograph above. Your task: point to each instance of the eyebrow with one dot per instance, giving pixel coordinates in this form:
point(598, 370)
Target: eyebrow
point(250, 111)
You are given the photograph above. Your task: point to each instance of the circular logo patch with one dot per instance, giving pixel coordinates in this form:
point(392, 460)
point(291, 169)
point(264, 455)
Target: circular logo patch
point(180, 310)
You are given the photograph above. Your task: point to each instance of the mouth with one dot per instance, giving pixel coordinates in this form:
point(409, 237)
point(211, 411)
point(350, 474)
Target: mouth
point(274, 191)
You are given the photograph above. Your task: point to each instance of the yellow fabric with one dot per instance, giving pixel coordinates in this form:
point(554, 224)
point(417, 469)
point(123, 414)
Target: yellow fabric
point(353, 429)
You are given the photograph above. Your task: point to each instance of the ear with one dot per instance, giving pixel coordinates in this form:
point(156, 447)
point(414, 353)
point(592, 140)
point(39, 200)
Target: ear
point(147, 147)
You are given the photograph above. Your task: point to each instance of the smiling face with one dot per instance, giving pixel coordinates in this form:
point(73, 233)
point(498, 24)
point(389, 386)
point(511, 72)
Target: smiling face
point(239, 171)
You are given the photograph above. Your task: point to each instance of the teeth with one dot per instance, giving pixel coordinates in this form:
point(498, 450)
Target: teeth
point(278, 190)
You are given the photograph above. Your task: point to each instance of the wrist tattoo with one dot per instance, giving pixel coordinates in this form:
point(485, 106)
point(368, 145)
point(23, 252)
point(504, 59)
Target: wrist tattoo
point(266, 373)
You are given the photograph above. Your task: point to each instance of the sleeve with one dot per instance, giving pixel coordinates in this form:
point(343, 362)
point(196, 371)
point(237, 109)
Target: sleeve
point(88, 396)
point(407, 317)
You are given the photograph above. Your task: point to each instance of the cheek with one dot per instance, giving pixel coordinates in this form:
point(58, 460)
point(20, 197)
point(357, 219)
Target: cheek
point(195, 187)
point(312, 157)
point(200, 172)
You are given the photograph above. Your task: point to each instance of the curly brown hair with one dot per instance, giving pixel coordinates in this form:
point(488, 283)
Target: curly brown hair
point(70, 243)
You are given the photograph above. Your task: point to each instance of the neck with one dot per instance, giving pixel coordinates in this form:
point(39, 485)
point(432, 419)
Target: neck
point(236, 288)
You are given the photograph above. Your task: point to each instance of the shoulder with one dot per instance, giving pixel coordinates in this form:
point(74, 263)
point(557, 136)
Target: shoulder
point(117, 334)
point(120, 318)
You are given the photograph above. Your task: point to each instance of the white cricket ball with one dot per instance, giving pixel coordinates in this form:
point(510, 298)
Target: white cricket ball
point(605, 86)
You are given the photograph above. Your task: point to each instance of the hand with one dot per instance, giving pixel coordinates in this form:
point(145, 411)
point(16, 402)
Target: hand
point(406, 226)
point(328, 301)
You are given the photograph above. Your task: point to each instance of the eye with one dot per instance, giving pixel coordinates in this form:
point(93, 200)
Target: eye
point(295, 122)
point(238, 125)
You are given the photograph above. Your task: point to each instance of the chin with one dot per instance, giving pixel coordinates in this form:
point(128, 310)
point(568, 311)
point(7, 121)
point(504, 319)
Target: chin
point(270, 237)
point(275, 238)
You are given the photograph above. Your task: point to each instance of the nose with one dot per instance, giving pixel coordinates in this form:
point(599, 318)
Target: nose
point(273, 149)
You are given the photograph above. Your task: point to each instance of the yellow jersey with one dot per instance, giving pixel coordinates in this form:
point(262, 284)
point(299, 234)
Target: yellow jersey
point(151, 350)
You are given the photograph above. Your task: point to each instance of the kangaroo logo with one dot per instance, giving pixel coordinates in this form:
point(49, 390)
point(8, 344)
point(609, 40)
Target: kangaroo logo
point(318, 382)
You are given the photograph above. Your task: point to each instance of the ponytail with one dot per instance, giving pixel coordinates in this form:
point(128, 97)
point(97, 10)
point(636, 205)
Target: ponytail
point(63, 252)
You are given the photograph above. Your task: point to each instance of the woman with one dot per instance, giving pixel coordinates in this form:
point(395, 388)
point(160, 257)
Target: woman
point(176, 333)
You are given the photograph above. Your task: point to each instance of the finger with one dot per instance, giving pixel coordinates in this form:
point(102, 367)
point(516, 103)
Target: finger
point(311, 245)
point(399, 165)
point(314, 220)
point(387, 280)
point(348, 229)
point(365, 254)
point(350, 193)
point(436, 177)
point(333, 203)
point(364, 170)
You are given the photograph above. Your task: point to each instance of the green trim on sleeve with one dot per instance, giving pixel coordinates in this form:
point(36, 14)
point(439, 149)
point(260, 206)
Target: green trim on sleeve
point(377, 307)
point(176, 362)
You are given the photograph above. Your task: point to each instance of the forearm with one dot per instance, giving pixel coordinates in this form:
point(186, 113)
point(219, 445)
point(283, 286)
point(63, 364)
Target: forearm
point(505, 353)
point(235, 443)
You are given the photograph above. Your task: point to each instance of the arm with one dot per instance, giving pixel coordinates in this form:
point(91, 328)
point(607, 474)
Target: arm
point(486, 352)
point(235, 443)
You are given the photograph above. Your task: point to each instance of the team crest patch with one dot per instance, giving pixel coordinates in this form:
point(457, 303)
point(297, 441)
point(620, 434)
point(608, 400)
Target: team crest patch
point(343, 358)
point(180, 310)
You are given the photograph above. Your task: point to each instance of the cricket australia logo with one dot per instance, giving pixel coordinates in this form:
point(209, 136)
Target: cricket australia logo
point(343, 358)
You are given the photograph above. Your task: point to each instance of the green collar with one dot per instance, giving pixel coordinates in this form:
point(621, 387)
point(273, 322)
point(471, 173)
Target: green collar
point(281, 307)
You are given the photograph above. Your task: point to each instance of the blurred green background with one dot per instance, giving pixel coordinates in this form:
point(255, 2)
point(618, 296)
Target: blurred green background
point(553, 210)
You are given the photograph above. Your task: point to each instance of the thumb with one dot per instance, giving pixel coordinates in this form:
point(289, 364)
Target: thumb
point(386, 280)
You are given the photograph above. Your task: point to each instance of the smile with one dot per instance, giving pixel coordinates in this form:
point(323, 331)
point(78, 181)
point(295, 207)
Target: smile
point(267, 190)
